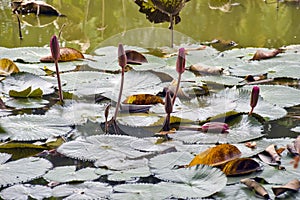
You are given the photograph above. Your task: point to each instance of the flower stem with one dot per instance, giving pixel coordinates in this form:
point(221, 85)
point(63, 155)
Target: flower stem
point(120, 94)
point(60, 94)
point(177, 88)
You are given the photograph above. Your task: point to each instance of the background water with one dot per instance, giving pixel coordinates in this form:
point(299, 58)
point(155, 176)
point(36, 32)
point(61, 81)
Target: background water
point(92, 23)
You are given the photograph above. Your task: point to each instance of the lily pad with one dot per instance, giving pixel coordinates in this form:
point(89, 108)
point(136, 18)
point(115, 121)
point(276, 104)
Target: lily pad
point(26, 191)
point(86, 190)
point(65, 174)
point(27, 103)
point(22, 170)
point(130, 174)
point(33, 127)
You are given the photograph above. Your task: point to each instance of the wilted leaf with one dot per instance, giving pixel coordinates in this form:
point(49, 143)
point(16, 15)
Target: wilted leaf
point(134, 57)
point(22, 170)
point(293, 185)
point(66, 54)
point(270, 156)
point(259, 55)
point(143, 99)
point(217, 155)
point(7, 67)
point(26, 191)
point(202, 69)
point(240, 166)
point(37, 7)
point(258, 189)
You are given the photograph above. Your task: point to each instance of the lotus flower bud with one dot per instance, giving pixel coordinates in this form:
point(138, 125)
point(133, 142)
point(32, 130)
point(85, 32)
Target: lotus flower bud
point(122, 58)
point(215, 127)
point(168, 103)
point(180, 64)
point(54, 47)
point(254, 98)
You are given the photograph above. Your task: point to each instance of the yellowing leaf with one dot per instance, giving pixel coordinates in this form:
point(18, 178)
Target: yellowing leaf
point(143, 99)
point(7, 67)
point(66, 54)
point(217, 155)
point(240, 166)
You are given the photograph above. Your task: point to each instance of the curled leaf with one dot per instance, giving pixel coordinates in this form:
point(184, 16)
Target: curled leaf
point(7, 67)
point(293, 185)
point(66, 54)
point(201, 69)
point(270, 156)
point(217, 155)
point(259, 54)
point(258, 188)
point(240, 166)
point(143, 99)
point(134, 57)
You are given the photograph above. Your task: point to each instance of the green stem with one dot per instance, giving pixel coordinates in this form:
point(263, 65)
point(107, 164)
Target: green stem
point(60, 94)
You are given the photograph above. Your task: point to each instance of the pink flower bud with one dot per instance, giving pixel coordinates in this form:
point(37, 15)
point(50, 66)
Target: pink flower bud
point(215, 127)
point(54, 47)
point(254, 98)
point(168, 103)
point(180, 64)
point(122, 58)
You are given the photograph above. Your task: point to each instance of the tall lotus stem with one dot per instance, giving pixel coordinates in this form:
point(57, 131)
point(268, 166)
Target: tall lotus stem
point(180, 67)
point(55, 52)
point(254, 98)
point(122, 58)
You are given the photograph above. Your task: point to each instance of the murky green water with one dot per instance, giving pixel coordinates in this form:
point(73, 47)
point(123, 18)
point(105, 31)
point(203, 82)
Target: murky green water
point(91, 23)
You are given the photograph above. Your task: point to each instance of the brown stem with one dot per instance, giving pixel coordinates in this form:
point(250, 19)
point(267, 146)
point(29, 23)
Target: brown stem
point(172, 31)
point(60, 94)
point(166, 125)
point(120, 94)
point(177, 88)
point(19, 25)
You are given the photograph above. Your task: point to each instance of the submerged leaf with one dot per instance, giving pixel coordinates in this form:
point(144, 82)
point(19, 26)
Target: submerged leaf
point(7, 67)
point(217, 155)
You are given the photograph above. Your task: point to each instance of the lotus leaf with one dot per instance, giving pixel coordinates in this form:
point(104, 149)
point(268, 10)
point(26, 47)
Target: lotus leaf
point(33, 127)
point(216, 156)
point(120, 164)
point(24, 54)
point(85, 190)
point(101, 147)
point(26, 103)
point(129, 174)
point(65, 174)
point(22, 170)
point(26, 191)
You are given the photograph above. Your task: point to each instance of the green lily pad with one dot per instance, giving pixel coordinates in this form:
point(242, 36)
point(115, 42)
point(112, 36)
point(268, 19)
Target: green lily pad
point(25, 54)
point(26, 84)
point(22, 170)
point(86, 190)
point(65, 174)
point(27, 103)
point(26, 191)
point(33, 127)
point(101, 147)
point(120, 164)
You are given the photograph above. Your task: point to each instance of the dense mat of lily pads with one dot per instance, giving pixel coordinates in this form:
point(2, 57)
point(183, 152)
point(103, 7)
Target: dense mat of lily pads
point(52, 150)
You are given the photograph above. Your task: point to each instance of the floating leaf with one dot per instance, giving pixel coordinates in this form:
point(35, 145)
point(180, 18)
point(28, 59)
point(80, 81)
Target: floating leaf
point(27, 103)
point(258, 189)
point(33, 127)
point(293, 185)
point(66, 54)
point(143, 99)
point(7, 67)
point(28, 83)
point(26, 191)
point(240, 166)
point(23, 170)
point(86, 190)
point(120, 164)
point(28, 92)
point(217, 155)
point(65, 174)
point(130, 174)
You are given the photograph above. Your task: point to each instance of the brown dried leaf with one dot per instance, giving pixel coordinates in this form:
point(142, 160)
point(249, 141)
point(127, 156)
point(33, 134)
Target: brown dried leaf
point(270, 156)
point(217, 155)
point(143, 99)
point(293, 185)
point(251, 145)
point(134, 57)
point(240, 166)
point(259, 54)
point(66, 54)
point(258, 188)
point(7, 67)
point(201, 69)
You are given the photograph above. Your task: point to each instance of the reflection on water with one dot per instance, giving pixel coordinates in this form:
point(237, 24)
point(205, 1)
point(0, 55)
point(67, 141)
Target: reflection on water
point(90, 23)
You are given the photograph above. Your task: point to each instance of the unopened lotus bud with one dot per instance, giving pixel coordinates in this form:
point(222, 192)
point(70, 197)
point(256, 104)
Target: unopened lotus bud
point(54, 47)
point(168, 103)
point(215, 127)
point(254, 98)
point(122, 58)
point(180, 64)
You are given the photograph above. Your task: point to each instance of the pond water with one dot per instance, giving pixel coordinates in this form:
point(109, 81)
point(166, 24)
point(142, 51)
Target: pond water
point(90, 24)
